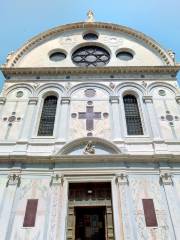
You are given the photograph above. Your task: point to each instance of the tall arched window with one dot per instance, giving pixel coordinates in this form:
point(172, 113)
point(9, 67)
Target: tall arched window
point(133, 119)
point(46, 125)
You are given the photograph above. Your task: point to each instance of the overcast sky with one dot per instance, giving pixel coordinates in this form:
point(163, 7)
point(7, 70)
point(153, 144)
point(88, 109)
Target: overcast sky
point(22, 19)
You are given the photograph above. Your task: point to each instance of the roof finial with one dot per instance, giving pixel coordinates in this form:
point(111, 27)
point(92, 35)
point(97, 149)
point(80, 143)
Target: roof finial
point(90, 16)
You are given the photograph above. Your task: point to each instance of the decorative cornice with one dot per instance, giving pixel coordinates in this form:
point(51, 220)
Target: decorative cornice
point(89, 25)
point(95, 70)
point(90, 158)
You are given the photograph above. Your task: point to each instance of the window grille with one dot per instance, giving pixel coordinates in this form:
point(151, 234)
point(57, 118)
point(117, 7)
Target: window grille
point(133, 119)
point(46, 125)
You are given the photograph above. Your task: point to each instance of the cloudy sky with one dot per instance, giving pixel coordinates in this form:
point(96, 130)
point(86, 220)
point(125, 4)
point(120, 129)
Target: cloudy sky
point(21, 19)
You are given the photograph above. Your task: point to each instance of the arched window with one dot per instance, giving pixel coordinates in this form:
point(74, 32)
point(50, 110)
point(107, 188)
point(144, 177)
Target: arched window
point(133, 119)
point(46, 125)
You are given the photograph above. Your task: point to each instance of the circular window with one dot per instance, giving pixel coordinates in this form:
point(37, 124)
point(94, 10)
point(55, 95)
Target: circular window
point(57, 56)
point(162, 92)
point(125, 56)
point(91, 56)
point(90, 36)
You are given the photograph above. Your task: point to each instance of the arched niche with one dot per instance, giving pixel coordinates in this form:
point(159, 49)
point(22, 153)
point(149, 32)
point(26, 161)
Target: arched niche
point(77, 147)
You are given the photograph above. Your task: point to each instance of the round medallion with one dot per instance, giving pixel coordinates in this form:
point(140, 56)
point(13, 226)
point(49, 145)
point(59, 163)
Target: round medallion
point(169, 117)
point(12, 119)
point(19, 94)
point(91, 56)
point(162, 92)
point(73, 115)
point(90, 92)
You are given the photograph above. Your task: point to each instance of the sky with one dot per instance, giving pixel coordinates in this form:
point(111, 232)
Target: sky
point(21, 19)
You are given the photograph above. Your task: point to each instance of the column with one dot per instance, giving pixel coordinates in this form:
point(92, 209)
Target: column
point(63, 119)
point(56, 223)
point(172, 201)
point(127, 209)
point(155, 128)
point(28, 120)
point(7, 205)
point(116, 129)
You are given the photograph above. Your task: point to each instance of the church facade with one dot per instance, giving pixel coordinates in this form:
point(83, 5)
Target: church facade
point(90, 137)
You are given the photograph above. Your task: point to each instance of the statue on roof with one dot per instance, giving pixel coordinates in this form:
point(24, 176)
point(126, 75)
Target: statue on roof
point(90, 16)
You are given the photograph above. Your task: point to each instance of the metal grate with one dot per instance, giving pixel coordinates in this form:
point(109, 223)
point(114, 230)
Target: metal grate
point(46, 125)
point(133, 119)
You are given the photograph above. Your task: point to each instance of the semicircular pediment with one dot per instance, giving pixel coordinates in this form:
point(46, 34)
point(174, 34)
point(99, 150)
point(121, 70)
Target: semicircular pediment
point(89, 146)
point(61, 38)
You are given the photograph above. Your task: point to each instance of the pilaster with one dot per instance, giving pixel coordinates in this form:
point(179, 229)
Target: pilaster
point(56, 207)
point(116, 124)
point(128, 218)
point(63, 119)
point(6, 216)
point(166, 180)
point(28, 119)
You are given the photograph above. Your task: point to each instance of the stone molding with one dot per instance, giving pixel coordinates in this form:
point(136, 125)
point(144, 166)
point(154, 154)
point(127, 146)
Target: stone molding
point(14, 179)
point(92, 25)
point(2, 100)
point(114, 99)
point(33, 100)
point(65, 100)
point(54, 71)
point(147, 99)
point(57, 179)
point(166, 178)
point(122, 178)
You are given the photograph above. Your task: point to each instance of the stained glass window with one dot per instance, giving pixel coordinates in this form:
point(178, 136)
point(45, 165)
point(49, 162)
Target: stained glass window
point(133, 119)
point(46, 125)
point(91, 56)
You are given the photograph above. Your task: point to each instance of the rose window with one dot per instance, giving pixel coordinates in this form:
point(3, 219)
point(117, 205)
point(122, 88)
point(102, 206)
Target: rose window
point(91, 56)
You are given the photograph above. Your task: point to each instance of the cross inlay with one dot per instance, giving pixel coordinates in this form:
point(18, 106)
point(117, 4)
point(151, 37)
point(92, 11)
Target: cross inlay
point(12, 118)
point(169, 118)
point(90, 116)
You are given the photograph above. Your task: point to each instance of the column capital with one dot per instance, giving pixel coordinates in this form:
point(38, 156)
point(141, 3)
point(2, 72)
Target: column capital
point(114, 99)
point(122, 178)
point(33, 100)
point(65, 100)
point(177, 98)
point(147, 99)
point(14, 178)
point(57, 179)
point(166, 177)
point(2, 100)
